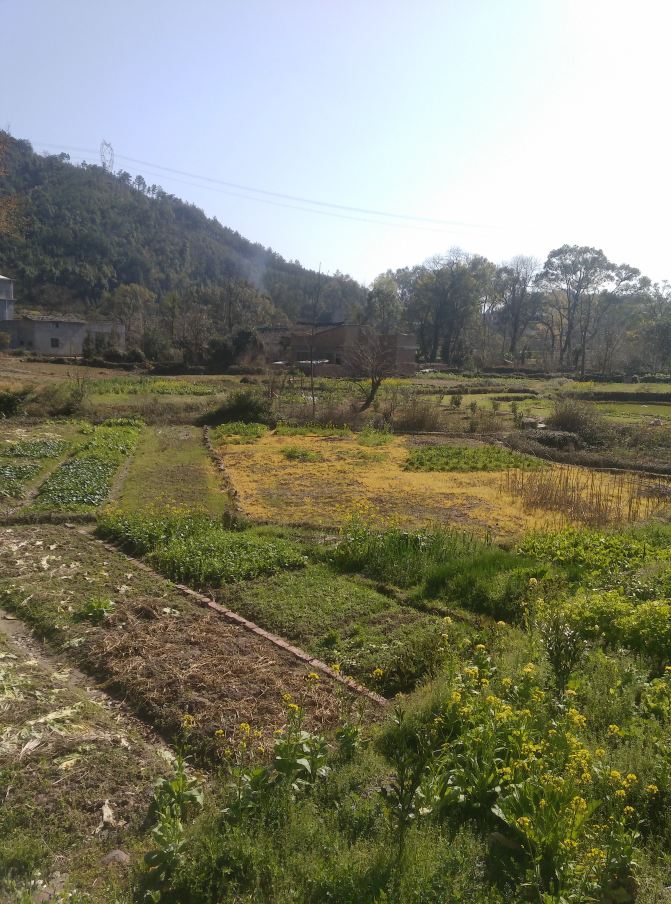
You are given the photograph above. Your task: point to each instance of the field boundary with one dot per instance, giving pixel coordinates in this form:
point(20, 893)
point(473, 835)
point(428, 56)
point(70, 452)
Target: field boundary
point(216, 459)
point(277, 641)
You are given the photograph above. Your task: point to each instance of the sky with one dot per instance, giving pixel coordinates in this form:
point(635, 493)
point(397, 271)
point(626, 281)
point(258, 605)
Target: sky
point(501, 126)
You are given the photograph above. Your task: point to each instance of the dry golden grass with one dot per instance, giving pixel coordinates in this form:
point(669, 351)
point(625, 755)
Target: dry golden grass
point(599, 499)
point(322, 493)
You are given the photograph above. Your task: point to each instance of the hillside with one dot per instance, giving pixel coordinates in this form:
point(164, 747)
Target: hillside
point(80, 232)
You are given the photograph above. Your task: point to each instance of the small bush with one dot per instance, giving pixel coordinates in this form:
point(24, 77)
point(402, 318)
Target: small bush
point(246, 406)
point(581, 419)
point(11, 401)
point(295, 453)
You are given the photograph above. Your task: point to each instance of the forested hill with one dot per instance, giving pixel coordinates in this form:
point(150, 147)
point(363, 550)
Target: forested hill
point(80, 232)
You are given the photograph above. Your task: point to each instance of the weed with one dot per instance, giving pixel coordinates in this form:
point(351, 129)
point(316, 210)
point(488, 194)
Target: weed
point(295, 453)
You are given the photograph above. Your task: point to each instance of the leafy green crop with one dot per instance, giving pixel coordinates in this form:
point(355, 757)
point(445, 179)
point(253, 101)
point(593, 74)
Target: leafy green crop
point(36, 448)
point(193, 547)
point(13, 476)
point(467, 458)
point(84, 480)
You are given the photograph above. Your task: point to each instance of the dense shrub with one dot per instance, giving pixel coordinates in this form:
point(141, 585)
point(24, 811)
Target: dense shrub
point(244, 405)
point(11, 401)
point(581, 419)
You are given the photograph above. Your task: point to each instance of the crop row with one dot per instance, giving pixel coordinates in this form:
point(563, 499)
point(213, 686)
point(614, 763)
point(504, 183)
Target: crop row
point(33, 448)
point(467, 458)
point(84, 480)
point(196, 548)
point(14, 476)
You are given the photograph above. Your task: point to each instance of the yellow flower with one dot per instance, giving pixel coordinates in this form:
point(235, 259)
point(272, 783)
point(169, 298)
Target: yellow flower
point(245, 727)
point(219, 733)
point(579, 804)
point(287, 698)
point(533, 582)
point(336, 667)
point(377, 673)
point(620, 794)
point(529, 669)
point(480, 648)
point(293, 707)
point(600, 751)
point(628, 811)
point(507, 682)
point(614, 730)
point(188, 720)
point(523, 822)
point(652, 789)
point(456, 697)
point(577, 718)
point(312, 676)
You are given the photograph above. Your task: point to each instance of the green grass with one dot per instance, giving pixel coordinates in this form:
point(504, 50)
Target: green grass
point(467, 458)
point(312, 430)
point(199, 549)
point(171, 468)
point(343, 620)
point(369, 436)
point(149, 385)
point(238, 429)
point(295, 453)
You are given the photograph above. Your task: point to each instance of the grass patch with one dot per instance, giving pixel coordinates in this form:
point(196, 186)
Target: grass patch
point(238, 429)
point(467, 458)
point(345, 621)
point(171, 468)
point(195, 548)
point(295, 453)
point(369, 436)
point(312, 430)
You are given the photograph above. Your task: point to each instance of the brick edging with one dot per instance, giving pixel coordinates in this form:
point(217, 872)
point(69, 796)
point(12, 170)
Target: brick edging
point(250, 626)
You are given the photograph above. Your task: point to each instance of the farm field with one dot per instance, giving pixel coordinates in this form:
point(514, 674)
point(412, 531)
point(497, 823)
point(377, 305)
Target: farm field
point(406, 658)
point(171, 468)
point(324, 478)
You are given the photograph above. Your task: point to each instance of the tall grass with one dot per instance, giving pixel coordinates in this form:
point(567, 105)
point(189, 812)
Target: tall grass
point(589, 497)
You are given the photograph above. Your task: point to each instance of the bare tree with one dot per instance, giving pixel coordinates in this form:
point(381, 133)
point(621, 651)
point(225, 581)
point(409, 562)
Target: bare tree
point(371, 360)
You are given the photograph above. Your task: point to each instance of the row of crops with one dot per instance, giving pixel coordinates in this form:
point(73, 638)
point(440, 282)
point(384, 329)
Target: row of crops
point(84, 480)
point(22, 461)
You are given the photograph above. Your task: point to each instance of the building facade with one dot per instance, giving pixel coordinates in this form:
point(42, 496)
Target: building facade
point(54, 337)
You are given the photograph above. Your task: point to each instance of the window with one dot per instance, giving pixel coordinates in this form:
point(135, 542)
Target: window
point(55, 343)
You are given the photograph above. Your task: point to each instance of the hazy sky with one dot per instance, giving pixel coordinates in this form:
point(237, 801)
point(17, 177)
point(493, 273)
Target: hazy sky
point(522, 124)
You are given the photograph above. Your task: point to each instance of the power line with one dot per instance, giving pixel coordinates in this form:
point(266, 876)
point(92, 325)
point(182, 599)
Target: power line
point(287, 197)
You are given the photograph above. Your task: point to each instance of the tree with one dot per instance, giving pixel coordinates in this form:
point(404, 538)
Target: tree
point(445, 303)
point(519, 304)
point(371, 360)
point(384, 307)
point(575, 276)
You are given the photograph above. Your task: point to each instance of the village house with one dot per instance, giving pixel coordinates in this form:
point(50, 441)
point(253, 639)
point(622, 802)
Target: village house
point(335, 347)
point(55, 337)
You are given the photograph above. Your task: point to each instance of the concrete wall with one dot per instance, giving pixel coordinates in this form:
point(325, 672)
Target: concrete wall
point(59, 337)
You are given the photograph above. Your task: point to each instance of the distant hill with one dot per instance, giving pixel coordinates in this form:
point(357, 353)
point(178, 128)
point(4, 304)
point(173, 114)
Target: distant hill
point(80, 232)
